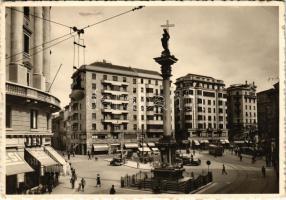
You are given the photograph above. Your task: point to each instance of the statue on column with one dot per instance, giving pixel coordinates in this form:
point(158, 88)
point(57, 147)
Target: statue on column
point(165, 39)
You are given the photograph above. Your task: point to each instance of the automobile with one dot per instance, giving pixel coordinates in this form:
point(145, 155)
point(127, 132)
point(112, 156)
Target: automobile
point(190, 161)
point(116, 162)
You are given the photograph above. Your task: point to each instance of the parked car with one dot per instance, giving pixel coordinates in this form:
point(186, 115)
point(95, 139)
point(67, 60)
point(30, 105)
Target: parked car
point(116, 162)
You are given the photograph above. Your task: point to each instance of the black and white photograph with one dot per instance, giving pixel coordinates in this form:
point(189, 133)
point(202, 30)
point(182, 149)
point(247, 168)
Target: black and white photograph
point(143, 98)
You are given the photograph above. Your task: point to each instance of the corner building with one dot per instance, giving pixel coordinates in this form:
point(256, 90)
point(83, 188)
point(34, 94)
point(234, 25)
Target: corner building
point(242, 112)
point(200, 110)
point(29, 104)
point(119, 106)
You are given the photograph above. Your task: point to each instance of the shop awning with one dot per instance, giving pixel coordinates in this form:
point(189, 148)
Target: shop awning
point(42, 157)
point(239, 142)
point(151, 144)
point(55, 155)
point(196, 142)
point(155, 149)
point(226, 141)
point(131, 145)
point(100, 147)
point(143, 144)
point(147, 149)
point(15, 164)
point(115, 144)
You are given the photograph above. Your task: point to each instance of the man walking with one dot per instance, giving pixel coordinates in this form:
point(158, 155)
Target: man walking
point(98, 182)
point(82, 183)
point(240, 157)
point(263, 171)
point(72, 182)
point(223, 170)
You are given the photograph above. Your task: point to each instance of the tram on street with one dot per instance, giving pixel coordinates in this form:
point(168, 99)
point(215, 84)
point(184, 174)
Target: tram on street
point(215, 150)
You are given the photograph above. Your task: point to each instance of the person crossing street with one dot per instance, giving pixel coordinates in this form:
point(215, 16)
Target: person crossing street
point(223, 170)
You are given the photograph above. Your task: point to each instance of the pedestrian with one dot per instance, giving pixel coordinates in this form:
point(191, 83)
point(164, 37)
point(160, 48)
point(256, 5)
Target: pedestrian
point(88, 153)
point(98, 182)
point(223, 170)
point(82, 183)
point(69, 156)
point(112, 190)
point(50, 188)
point(137, 164)
point(240, 157)
point(263, 171)
point(72, 182)
point(253, 160)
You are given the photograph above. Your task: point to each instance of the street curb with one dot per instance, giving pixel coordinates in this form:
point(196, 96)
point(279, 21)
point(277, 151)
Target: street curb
point(202, 187)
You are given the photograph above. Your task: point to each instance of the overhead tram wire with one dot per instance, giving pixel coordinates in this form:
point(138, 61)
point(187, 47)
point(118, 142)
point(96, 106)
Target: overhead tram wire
point(58, 23)
point(73, 30)
point(46, 48)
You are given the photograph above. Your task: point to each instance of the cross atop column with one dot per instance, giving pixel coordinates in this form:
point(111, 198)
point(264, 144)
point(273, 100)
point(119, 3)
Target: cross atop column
point(167, 26)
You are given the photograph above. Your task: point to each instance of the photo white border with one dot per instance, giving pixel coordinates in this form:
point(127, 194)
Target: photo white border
point(282, 92)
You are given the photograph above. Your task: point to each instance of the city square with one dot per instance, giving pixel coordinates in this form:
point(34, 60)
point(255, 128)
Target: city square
point(179, 110)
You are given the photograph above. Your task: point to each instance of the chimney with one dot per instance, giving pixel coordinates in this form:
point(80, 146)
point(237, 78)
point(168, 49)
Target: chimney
point(245, 82)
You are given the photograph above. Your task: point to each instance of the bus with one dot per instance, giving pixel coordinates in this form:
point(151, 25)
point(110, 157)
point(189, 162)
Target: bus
point(215, 150)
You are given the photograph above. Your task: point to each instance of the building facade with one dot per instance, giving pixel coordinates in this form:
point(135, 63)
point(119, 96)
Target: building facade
point(242, 112)
point(200, 110)
point(118, 105)
point(29, 105)
point(268, 123)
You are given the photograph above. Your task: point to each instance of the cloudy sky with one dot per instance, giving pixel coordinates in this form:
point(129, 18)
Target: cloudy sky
point(229, 43)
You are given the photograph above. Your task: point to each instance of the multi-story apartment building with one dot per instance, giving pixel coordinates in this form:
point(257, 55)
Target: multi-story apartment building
point(242, 111)
point(29, 104)
point(112, 106)
point(268, 123)
point(200, 110)
point(60, 128)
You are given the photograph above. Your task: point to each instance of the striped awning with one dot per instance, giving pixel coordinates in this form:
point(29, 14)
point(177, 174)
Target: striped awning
point(55, 155)
point(155, 149)
point(41, 156)
point(100, 147)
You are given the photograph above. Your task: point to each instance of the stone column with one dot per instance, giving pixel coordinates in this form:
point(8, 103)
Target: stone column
point(46, 57)
point(38, 79)
point(16, 68)
point(17, 34)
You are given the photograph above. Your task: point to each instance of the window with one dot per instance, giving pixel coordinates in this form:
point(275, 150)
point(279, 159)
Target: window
point(200, 126)
point(220, 118)
point(134, 117)
point(28, 78)
point(34, 119)
point(220, 103)
point(142, 89)
point(8, 117)
point(135, 127)
point(134, 80)
point(199, 92)
point(114, 78)
point(199, 101)
point(142, 117)
point(142, 80)
point(142, 108)
point(134, 99)
point(125, 126)
point(134, 108)
point(104, 77)
point(220, 110)
point(93, 86)
point(93, 126)
point(156, 82)
point(27, 12)
point(26, 43)
point(200, 117)
point(209, 110)
point(105, 126)
point(209, 102)
point(93, 115)
point(200, 109)
point(149, 81)
point(124, 79)
point(93, 106)
point(48, 117)
point(220, 126)
point(142, 126)
point(93, 76)
point(142, 99)
point(134, 90)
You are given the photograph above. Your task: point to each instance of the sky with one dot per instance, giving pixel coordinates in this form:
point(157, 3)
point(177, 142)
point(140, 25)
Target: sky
point(230, 43)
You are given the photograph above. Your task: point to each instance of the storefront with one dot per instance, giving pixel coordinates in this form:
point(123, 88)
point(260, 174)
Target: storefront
point(16, 170)
point(46, 169)
point(114, 148)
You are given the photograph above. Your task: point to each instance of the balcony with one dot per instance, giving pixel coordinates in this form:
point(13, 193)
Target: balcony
point(115, 92)
point(155, 122)
point(150, 112)
point(115, 121)
point(150, 103)
point(115, 101)
point(117, 83)
point(113, 111)
point(153, 130)
point(27, 92)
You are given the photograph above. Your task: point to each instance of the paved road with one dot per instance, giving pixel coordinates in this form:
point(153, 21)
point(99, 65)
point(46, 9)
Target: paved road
point(242, 177)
